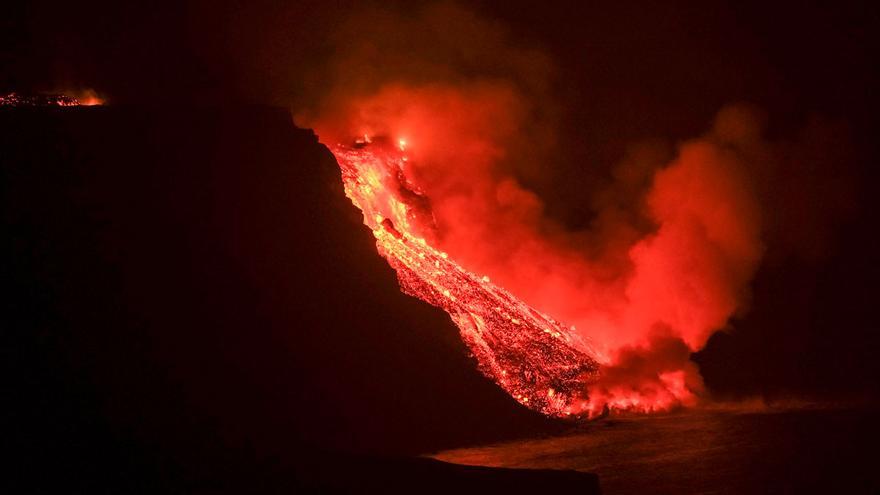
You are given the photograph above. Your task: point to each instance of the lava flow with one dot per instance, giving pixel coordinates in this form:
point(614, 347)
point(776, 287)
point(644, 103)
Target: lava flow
point(86, 98)
point(540, 362)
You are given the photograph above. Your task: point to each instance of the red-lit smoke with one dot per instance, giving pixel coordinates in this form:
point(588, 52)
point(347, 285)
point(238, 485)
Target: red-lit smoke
point(87, 97)
point(647, 289)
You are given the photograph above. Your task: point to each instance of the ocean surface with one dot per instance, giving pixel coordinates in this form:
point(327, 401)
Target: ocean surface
point(709, 451)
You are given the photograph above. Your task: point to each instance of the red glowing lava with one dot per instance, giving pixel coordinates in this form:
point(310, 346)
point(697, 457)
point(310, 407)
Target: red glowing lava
point(85, 98)
point(536, 359)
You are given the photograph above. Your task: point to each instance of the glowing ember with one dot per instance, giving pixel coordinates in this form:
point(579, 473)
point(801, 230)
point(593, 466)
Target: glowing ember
point(537, 360)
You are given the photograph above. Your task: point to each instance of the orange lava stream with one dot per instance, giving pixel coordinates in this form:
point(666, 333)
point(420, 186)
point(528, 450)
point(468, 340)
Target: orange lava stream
point(540, 362)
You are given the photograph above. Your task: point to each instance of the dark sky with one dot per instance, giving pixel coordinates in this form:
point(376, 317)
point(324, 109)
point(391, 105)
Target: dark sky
point(665, 69)
point(625, 73)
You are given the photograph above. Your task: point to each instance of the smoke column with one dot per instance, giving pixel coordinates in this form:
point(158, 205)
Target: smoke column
point(666, 261)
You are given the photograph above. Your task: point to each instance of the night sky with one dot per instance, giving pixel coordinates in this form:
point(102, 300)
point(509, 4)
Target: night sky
point(190, 289)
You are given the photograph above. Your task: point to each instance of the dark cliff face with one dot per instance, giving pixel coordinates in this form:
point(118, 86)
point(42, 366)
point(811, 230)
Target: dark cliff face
point(191, 296)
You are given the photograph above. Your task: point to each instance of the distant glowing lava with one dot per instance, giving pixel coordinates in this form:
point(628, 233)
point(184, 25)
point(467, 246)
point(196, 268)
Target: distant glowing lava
point(73, 99)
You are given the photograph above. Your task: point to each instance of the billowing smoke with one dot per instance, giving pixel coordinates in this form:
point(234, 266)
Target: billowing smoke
point(673, 245)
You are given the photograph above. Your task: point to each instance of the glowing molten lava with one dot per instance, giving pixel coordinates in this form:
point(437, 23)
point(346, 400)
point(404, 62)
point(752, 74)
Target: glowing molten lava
point(86, 98)
point(540, 362)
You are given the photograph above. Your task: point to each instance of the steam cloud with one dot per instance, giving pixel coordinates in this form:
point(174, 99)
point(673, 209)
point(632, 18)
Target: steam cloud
point(673, 245)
